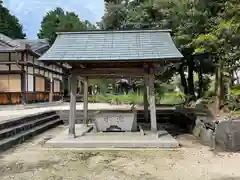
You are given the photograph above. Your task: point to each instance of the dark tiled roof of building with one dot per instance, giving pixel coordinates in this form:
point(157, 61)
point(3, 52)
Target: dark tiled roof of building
point(8, 45)
point(38, 46)
point(113, 46)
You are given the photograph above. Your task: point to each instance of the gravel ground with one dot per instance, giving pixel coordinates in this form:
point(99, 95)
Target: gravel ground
point(31, 161)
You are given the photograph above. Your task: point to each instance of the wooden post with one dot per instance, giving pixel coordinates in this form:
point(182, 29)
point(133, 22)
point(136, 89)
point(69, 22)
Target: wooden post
point(69, 85)
point(130, 83)
point(152, 102)
point(23, 87)
point(51, 90)
point(80, 86)
point(85, 99)
point(23, 79)
point(72, 112)
point(145, 98)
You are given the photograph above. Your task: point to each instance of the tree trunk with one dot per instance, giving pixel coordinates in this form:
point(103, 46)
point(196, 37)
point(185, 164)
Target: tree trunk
point(219, 86)
point(200, 82)
point(227, 85)
point(190, 78)
point(237, 77)
point(183, 80)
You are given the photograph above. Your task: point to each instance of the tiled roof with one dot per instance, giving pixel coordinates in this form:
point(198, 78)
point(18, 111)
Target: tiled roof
point(39, 46)
point(8, 45)
point(113, 46)
point(8, 41)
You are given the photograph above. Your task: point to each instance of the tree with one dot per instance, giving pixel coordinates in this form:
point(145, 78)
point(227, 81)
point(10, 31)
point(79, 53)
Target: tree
point(50, 24)
point(182, 16)
point(9, 24)
point(222, 42)
point(206, 32)
point(60, 21)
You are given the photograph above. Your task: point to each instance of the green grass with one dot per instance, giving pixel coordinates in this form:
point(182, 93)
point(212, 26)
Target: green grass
point(124, 99)
point(170, 98)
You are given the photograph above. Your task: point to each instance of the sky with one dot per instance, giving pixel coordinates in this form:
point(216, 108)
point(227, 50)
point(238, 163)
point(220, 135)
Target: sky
point(31, 12)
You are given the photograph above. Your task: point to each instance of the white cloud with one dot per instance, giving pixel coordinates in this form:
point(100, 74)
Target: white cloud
point(31, 12)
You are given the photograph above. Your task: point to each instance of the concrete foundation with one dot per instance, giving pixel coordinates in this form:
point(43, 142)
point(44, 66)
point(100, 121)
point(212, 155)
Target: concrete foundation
point(93, 139)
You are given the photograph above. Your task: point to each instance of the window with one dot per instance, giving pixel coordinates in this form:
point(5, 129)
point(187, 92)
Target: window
point(39, 84)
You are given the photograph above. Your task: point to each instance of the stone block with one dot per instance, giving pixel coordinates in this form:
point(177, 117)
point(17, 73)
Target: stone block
point(228, 135)
point(197, 128)
point(206, 136)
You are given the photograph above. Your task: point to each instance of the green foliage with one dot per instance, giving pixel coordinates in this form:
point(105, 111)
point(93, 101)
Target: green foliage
point(222, 43)
point(165, 98)
point(60, 21)
point(234, 98)
point(171, 98)
point(124, 99)
point(235, 90)
point(9, 24)
point(222, 39)
point(205, 84)
point(207, 30)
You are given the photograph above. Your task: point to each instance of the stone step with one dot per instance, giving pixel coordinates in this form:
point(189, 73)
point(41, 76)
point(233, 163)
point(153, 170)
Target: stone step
point(5, 133)
point(16, 133)
point(24, 119)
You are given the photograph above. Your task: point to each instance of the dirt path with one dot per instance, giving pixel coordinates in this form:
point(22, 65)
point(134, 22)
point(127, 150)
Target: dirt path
point(30, 161)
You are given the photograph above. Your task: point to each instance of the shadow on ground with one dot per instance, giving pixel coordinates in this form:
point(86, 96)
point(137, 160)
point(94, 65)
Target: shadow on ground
point(228, 178)
point(175, 123)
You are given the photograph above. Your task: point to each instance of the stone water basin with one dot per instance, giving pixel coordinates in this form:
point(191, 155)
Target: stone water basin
point(124, 120)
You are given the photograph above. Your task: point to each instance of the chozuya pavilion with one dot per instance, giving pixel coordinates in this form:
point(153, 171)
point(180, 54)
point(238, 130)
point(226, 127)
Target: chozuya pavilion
point(96, 54)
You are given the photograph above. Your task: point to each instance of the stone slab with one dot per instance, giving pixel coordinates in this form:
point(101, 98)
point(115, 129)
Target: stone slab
point(113, 140)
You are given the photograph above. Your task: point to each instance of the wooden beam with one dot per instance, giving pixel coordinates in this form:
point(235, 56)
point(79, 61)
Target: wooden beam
point(72, 111)
point(152, 102)
point(111, 72)
point(30, 64)
point(85, 99)
point(11, 62)
point(11, 72)
point(117, 77)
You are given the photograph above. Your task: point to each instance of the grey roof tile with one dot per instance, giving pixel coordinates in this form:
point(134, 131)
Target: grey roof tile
point(8, 41)
point(38, 46)
point(113, 45)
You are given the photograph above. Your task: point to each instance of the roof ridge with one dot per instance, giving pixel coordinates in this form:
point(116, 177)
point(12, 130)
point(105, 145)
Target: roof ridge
point(116, 31)
point(40, 47)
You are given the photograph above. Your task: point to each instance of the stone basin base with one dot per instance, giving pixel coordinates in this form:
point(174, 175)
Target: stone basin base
point(92, 139)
